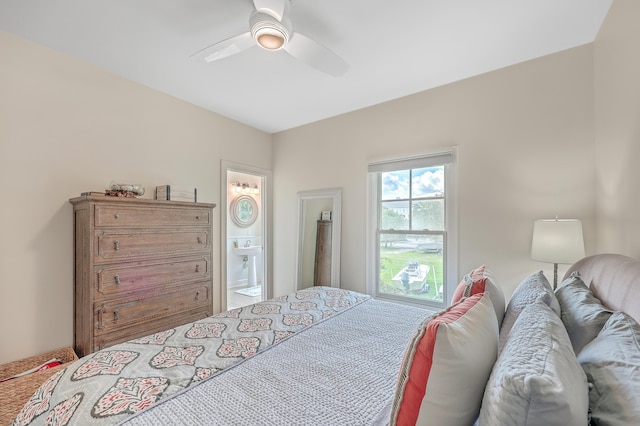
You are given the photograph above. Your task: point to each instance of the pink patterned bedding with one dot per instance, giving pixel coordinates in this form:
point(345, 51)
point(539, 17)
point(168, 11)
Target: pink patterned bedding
point(110, 385)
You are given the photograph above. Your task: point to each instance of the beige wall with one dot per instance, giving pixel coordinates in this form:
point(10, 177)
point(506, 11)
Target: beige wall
point(68, 127)
point(525, 151)
point(533, 141)
point(617, 129)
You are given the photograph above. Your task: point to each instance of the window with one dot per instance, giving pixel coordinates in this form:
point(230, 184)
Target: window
point(411, 230)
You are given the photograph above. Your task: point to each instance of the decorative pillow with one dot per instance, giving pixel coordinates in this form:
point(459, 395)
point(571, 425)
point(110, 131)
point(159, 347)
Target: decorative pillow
point(533, 288)
point(478, 281)
point(446, 366)
point(612, 364)
point(582, 313)
point(536, 379)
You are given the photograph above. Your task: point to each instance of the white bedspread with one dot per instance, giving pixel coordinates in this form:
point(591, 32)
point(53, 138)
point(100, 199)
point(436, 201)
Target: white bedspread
point(341, 371)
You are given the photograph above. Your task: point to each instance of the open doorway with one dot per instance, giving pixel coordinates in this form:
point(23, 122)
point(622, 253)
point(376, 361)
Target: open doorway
point(245, 240)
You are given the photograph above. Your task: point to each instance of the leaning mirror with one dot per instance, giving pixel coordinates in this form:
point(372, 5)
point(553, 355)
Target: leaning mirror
point(318, 254)
point(243, 211)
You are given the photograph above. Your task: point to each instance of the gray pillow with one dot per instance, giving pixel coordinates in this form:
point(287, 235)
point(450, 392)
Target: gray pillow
point(582, 313)
point(533, 288)
point(536, 380)
point(612, 364)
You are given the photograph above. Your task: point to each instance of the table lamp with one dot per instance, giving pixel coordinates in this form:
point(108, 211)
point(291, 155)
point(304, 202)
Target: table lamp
point(557, 241)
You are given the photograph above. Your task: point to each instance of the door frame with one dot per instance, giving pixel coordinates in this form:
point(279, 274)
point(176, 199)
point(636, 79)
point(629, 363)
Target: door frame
point(266, 177)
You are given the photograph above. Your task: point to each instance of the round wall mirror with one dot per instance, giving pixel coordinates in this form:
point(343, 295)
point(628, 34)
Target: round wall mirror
point(244, 211)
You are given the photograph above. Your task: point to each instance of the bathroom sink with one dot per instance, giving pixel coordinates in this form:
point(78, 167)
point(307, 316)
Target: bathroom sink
point(247, 251)
point(250, 260)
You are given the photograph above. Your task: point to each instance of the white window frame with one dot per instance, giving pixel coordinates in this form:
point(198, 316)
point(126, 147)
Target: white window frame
point(450, 244)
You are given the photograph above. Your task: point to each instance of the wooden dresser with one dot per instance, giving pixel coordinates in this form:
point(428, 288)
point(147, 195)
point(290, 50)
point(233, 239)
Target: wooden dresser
point(141, 266)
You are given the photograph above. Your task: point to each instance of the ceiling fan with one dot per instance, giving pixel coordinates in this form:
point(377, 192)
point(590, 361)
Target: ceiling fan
point(271, 29)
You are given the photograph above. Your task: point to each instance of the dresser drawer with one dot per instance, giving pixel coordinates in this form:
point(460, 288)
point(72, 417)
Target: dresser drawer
point(123, 278)
point(122, 335)
point(126, 312)
point(145, 217)
point(122, 244)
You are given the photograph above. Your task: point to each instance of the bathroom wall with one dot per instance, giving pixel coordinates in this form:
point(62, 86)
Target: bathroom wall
point(237, 269)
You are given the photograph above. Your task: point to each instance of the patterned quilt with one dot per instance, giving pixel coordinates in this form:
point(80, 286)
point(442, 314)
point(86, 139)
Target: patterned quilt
point(108, 386)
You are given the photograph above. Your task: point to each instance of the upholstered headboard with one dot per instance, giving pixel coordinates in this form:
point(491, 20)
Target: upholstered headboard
point(614, 279)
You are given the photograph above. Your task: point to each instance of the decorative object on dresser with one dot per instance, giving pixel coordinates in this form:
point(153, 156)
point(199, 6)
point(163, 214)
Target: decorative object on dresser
point(141, 266)
point(173, 193)
point(127, 190)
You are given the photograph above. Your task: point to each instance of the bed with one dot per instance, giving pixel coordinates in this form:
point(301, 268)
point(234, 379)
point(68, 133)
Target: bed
point(327, 356)
point(304, 325)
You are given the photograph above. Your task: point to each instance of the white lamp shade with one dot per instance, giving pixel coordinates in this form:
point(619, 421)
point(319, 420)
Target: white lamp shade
point(557, 241)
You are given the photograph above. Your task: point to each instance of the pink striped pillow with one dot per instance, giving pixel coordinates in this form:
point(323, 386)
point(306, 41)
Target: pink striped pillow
point(447, 364)
point(478, 281)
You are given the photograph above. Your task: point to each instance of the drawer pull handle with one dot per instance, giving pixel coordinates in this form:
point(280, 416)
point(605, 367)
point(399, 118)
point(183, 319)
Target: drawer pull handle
point(197, 295)
point(115, 315)
point(100, 324)
point(116, 245)
point(117, 216)
point(117, 278)
point(198, 217)
point(197, 267)
point(199, 240)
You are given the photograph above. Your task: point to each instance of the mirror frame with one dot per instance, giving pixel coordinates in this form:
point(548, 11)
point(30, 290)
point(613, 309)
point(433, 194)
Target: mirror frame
point(235, 214)
point(336, 230)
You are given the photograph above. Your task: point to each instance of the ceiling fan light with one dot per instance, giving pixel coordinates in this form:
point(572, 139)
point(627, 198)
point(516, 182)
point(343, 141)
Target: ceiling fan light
point(268, 32)
point(270, 41)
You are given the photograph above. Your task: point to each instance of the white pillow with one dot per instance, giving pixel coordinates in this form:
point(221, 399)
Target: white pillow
point(536, 380)
point(612, 364)
point(581, 312)
point(533, 288)
point(446, 366)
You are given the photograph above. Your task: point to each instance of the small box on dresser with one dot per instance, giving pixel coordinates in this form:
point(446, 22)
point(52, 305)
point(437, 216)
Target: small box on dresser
point(141, 266)
point(173, 193)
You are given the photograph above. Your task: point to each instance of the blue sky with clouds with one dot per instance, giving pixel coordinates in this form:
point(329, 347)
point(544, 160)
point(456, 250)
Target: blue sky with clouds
point(426, 182)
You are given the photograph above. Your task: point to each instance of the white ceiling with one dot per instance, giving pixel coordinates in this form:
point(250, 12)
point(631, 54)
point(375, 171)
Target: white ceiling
point(394, 48)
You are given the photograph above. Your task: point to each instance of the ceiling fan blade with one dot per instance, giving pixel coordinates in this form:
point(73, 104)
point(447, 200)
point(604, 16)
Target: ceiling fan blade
point(275, 7)
point(316, 55)
point(225, 48)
